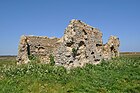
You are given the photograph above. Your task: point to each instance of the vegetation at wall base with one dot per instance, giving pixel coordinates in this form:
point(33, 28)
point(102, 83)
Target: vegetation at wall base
point(52, 62)
point(119, 75)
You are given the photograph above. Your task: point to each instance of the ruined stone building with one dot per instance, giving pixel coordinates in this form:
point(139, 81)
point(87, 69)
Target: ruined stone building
point(80, 44)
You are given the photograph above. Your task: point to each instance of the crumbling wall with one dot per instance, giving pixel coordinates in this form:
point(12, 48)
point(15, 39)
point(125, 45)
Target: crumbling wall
point(111, 48)
point(22, 56)
point(39, 46)
point(80, 44)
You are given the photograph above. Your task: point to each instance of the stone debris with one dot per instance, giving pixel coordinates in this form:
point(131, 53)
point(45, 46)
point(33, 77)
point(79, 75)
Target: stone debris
point(80, 44)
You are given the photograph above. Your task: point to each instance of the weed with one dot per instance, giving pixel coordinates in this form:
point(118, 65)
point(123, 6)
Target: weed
point(52, 62)
point(34, 58)
point(74, 52)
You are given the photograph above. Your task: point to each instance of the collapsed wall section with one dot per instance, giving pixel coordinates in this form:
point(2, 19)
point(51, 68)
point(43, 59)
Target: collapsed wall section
point(39, 46)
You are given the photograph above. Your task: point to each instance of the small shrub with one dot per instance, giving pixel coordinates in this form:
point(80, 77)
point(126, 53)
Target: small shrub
point(74, 52)
point(52, 62)
point(34, 58)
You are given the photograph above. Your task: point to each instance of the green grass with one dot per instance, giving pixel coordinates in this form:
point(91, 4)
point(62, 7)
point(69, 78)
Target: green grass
point(119, 75)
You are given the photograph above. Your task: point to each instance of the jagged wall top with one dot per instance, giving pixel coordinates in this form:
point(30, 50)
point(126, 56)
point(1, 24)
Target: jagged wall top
point(80, 44)
point(85, 40)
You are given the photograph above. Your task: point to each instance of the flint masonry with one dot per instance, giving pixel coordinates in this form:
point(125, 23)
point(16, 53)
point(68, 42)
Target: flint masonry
point(80, 44)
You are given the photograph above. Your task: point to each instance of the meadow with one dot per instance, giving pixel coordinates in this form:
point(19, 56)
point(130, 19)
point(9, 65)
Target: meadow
point(119, 75)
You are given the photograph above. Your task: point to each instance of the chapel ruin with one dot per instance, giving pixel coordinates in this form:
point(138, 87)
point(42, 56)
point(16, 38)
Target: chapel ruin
point(80, 44)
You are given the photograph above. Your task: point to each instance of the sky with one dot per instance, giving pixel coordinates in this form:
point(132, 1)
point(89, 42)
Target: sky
point(50, 18)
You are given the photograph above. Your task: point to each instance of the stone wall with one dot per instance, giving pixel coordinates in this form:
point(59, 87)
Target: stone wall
point(80, 44)
point(39, 46)
point(111, 48)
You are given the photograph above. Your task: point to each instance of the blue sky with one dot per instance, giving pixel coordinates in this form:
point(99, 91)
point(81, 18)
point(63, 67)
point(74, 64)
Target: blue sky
point(51, 17)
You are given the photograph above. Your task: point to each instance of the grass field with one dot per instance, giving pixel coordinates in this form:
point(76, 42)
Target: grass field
point(119, 75)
